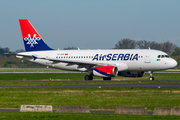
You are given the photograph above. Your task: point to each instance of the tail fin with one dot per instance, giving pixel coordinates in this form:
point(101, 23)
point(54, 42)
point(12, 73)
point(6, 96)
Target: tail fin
point(32, 40)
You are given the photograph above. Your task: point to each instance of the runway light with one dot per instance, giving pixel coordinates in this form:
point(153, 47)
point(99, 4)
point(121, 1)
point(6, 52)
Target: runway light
point(159, 86)
point(99, 86)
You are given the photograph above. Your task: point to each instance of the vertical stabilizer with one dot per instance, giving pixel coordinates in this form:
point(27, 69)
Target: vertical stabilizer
point(32, 40)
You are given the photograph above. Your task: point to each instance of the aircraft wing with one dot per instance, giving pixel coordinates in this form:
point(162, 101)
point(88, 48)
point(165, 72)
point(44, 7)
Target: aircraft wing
point(84, 63)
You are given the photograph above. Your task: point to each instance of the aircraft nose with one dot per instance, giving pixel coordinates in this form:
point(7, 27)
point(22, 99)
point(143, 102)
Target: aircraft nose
point(173, 63)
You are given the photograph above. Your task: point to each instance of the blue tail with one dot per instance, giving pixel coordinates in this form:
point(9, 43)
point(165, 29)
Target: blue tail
point(32, 40)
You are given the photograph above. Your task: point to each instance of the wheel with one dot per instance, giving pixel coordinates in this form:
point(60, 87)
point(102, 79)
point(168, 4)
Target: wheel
point(106, 78)
point(88, 77)
point(151, 78)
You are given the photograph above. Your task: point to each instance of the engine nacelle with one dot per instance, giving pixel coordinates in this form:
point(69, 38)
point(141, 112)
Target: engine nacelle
point(105, 71)
point(131, 74)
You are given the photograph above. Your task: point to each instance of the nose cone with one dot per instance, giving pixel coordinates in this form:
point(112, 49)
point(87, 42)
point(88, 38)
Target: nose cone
point(173, 63)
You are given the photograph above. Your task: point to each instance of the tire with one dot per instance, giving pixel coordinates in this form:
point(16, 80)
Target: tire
point(88, 77)
point(151, 78)
point(106, 78)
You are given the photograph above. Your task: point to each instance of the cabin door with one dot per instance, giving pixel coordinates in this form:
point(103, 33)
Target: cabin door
point(147, 57)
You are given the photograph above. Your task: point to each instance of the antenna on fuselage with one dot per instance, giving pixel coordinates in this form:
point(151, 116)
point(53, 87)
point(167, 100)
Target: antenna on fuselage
point(149, 48)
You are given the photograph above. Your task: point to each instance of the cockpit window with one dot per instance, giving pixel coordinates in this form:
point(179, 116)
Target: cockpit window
point(163, 56)
point(167, 56)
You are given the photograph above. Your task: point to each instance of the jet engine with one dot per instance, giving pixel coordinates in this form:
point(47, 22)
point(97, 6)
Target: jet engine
point(105, 71)
point(131, 74)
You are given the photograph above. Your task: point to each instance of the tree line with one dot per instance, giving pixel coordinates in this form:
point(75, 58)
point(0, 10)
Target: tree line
point(10, 61)
point(127, 43)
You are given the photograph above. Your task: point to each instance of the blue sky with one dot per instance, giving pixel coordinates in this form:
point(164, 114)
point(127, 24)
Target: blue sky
point(90, 24)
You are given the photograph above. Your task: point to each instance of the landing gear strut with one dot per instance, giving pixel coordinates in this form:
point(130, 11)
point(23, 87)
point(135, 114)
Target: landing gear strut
point(88, 77)
point(151, 78)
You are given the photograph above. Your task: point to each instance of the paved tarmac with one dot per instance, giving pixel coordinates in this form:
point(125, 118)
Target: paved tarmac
point(91, 111)
point(75, 72)
point(134, 85)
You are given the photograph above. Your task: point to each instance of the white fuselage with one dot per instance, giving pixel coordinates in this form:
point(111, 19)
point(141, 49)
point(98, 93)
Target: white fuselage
point(124, 60)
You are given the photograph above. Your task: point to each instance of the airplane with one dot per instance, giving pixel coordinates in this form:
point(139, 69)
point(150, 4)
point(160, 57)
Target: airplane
point(100, 63)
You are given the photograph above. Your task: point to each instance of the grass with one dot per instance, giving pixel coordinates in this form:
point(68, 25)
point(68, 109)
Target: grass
point(39, 79)
point(80, 76)
point(81, 116)
point(95, 98)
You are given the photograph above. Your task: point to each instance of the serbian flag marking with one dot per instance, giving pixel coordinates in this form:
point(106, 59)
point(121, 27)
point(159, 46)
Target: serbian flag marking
point(158, 59)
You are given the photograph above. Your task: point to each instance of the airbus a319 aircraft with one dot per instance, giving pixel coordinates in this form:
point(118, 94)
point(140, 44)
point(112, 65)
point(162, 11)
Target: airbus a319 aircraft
point(101, 63)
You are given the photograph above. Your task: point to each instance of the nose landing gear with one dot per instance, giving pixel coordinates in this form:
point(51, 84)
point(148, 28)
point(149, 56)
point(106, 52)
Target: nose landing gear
point(151, 78)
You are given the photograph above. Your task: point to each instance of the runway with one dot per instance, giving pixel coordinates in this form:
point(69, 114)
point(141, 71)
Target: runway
point(91, 111)
point(134, 85)
point(75, 72)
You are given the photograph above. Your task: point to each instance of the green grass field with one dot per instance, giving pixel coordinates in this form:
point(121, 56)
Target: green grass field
point(80, 76)
point(81, 116)
point(29, 79)
point(95, 98)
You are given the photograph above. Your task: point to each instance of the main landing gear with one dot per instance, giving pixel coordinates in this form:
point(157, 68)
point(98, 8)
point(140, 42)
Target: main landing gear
point(151, 78)
point(106, 78)
point(88, 77)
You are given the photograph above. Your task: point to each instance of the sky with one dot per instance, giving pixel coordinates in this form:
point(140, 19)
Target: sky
point(90, 24)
